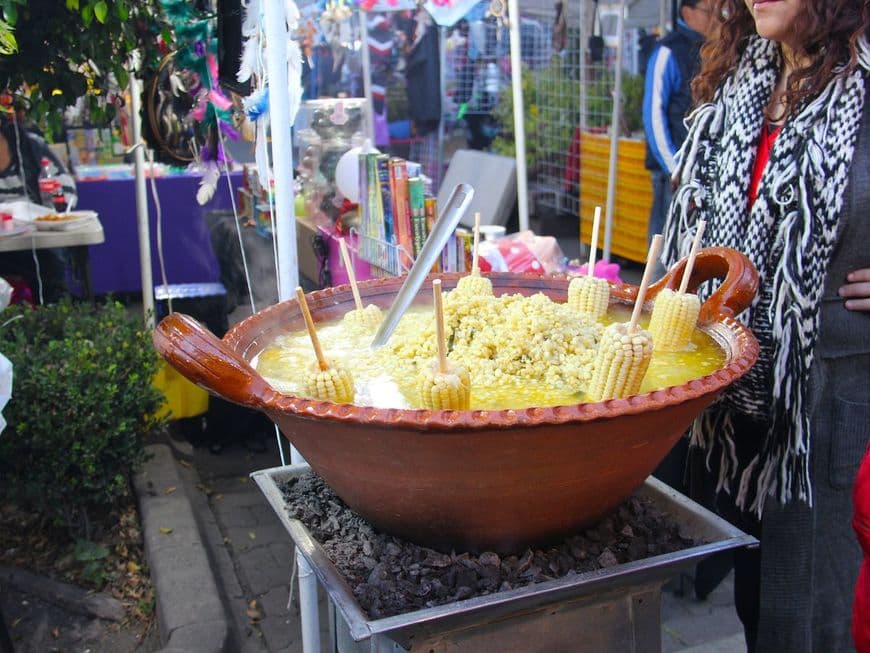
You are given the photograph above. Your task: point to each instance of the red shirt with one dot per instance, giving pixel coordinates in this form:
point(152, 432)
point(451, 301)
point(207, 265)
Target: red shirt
point(861, 524)
point(765, 143)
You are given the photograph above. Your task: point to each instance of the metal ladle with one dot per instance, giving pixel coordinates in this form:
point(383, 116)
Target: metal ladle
point(457, 205)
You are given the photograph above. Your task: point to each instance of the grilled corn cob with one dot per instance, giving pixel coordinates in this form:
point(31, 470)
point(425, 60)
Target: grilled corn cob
point(364, 319)
point(444, 390)
point(331, 384)
point(620, 363)
point(673, 319)
point(590, 295)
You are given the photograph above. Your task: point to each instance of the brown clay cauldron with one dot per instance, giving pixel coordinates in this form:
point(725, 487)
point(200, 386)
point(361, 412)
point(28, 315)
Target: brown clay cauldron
point(478, 479)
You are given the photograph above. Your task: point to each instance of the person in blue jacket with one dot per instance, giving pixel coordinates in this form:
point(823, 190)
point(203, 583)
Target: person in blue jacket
point(667, 99)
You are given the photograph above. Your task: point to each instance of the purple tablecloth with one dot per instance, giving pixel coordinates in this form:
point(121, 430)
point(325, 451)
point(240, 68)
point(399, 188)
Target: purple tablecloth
point(187, 248)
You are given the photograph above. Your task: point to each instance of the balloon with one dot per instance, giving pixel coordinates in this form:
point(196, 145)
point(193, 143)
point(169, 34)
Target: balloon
point(347, 171)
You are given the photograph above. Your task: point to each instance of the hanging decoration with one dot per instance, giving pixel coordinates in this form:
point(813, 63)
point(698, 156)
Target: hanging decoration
point(498, 10)
point(253, 69)
point(187, 112)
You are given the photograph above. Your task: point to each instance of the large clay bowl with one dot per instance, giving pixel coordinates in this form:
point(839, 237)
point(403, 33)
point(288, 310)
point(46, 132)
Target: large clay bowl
point(479, 479)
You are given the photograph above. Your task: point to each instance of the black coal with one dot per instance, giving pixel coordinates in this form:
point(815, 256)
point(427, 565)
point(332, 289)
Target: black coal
point(391, 576)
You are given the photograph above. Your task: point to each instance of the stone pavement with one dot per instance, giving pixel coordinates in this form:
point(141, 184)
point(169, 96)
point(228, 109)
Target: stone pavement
point(251, 557)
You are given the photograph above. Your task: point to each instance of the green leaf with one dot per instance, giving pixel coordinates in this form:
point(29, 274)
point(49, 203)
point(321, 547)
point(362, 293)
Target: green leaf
point(122, 76)
point(123, 11)
point(87, 15)
point(72, 5)
point(10, 13)
point(100, 11)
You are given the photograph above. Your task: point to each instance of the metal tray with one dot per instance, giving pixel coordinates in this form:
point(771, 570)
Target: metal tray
point(624, 580)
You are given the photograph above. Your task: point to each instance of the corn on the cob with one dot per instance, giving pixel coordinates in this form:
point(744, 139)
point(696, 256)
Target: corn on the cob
point(673, 320)
point(364, 319)
point(474, 284)
point(332, 384)
point(620, 363)
point(444, 390)
point(590, 295)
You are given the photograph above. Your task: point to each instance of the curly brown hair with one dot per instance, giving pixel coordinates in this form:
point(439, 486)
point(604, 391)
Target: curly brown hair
point(827, 29)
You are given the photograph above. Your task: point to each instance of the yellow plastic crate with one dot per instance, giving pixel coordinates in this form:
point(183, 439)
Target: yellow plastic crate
point(183, 398)
point(633, 199)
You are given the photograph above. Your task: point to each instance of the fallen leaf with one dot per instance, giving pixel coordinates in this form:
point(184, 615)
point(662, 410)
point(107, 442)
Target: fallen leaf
point(166, 531)
point(55, 632)
point(254, 612)
point(252, 535)
point(132, 567)
point(183, 463)
point(170, 489)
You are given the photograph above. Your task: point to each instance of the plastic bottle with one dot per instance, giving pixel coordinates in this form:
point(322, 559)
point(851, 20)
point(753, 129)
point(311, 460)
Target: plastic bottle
point(50, 189)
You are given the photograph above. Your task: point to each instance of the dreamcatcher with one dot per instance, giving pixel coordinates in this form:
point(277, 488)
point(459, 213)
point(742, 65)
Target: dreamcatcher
point(169, 127)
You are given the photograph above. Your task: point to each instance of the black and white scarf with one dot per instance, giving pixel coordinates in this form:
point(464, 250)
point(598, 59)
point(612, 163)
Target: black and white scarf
point(788, 234)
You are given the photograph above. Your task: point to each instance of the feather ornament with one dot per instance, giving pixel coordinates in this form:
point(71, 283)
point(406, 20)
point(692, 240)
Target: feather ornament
point(208, 184)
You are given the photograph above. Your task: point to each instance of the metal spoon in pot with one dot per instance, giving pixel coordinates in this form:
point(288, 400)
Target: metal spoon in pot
point(457, 205)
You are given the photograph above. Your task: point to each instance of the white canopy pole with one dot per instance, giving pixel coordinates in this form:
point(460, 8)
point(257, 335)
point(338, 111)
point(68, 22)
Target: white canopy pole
point(282, 154)
point(367, 74)
point(285, 235)
point(519, 114)
point(141, 200)
point(614, 133)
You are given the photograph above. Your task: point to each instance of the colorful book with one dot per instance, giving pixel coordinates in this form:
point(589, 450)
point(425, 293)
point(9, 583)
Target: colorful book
point(431, 206)
point(401, 208)
point(383, 163)
point(417, 204)
point(376, 213)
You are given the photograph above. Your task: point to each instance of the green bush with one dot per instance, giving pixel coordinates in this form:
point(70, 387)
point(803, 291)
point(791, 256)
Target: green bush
point(82, 400)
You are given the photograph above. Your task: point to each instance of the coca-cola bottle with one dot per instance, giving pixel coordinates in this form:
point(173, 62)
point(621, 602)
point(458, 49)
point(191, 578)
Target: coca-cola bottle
point(50, 189)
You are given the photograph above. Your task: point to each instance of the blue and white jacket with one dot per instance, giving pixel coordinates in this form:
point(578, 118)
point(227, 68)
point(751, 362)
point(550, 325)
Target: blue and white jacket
point(667, 97)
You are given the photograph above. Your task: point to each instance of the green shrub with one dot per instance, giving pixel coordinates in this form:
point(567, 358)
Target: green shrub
point(82, 400)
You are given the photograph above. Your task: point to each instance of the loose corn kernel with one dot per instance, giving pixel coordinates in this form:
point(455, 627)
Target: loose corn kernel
point(620, 363)
point(673, 320)
point(367, 319)
point(474, 284)
point(444, 390)
point(332, 384)
point(590, 295)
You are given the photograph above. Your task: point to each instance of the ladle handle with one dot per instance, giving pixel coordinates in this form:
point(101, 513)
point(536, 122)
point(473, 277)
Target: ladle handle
point(209, 362)
point(732, 297)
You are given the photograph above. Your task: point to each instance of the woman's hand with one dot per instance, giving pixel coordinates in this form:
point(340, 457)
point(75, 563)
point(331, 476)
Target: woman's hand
point(856, 290)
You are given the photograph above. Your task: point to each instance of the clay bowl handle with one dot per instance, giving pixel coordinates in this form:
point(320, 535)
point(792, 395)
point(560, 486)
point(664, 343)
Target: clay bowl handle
point(209, 362)
point(732, 297)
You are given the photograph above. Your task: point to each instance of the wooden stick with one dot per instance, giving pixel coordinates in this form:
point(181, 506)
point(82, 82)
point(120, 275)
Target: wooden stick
point(654, 249)
point(351, 275)
point(439, 326)
point(593, 246)
point(696, 244)
point(475, 270)
point(312, 332)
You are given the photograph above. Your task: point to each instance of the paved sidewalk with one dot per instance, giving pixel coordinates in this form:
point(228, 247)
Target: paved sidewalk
point(252, 559)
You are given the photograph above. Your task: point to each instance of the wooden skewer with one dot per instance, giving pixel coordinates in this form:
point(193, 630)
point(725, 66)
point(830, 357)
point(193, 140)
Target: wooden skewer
point(654, 249)
point(475, 270)
point(312, 332)
point(439, 326)
point(593, 245)
point(696, 244)
point(351, 275)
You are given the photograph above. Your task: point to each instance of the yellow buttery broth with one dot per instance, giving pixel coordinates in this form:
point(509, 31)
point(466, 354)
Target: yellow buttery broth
point(381, 383)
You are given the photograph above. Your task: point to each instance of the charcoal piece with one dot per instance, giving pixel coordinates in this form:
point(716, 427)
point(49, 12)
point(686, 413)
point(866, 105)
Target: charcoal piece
point(390, 576)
